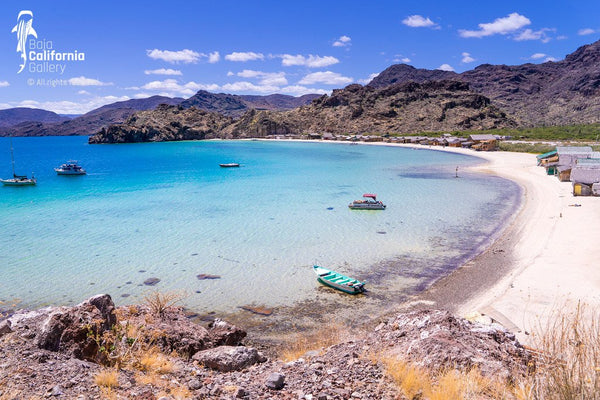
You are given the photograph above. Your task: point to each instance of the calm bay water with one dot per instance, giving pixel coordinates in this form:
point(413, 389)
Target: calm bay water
point(167, 210)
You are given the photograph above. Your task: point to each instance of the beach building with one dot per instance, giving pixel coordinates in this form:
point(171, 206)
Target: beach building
point(585, 176)
point(484, 142)
point(549, 161)
point(567, 158)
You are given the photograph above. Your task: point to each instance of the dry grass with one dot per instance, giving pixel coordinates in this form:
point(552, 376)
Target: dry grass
point(108, 378)
point(298, 345)
point(155, 362)
point(568, 357)
point(416, 382)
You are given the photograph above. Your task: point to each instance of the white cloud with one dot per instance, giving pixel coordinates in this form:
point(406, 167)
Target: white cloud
point(249, 87)
point(298, 90)
point(84, 92)
point(230, 73)
point(83, 81)
point(70, 107)
point(266, 78)
point(418, 21)
point(367, 80)
point(173, 86)
point(4, 84)
point(185, 56)
point(163, 71)
point(445, 67)
point(326, 77)
point(244, 56)
point(343, 41)
point(562, 37)
point(214, 57)
point(466, 58)
point(529, 34)
point(550, 59)
point(311, 61)
point(500, 26)
point(537, 56)
point(586, 31)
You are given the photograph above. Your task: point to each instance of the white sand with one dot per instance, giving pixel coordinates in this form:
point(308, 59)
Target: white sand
point(557, 255)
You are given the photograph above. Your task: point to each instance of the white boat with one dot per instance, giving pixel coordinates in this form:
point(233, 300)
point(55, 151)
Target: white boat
point(370, 202)
point(17, 180)
point(70, 168)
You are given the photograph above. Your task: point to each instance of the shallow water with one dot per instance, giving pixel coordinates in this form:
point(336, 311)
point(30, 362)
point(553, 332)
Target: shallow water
point(167, 210)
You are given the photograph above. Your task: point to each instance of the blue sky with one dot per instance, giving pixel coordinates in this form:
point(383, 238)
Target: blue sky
point(175, 48)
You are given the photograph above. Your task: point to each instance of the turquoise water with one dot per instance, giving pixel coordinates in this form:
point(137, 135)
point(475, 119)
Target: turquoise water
point(167, 210)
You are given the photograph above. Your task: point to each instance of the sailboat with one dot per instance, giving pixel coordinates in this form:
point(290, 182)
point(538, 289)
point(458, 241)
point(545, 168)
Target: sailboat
point(17, 180)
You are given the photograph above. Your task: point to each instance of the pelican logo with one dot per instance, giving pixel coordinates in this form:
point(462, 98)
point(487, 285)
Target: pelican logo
point(24, 28)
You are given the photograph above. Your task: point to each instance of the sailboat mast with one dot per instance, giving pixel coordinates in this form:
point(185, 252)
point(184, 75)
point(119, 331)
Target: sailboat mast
point(12, 157)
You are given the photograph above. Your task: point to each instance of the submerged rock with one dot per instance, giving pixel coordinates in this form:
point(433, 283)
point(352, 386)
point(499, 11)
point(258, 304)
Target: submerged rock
point(207, 276)
point(151, 281)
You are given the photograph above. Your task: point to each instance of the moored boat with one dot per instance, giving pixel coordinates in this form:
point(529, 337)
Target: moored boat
point(17, 180)
point(370, 202)
point(70, 168)
point(229, 165)
point(338, 281)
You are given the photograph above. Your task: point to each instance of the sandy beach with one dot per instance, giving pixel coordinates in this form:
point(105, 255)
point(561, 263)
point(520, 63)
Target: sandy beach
point(546, 260)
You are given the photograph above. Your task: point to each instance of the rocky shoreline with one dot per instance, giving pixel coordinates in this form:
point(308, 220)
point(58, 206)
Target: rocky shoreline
point(154, 351)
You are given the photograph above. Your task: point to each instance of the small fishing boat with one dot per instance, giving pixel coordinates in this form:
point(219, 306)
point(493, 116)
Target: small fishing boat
point(70, 168)
point(17, 180)
point(370, 202)
point(229, 165)
point(338, 281)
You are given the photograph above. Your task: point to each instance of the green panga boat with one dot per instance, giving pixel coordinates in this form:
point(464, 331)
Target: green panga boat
point(338, 281)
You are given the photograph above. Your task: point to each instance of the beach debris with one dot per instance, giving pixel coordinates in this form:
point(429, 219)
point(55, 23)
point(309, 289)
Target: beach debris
point(151, 281)
point(207, 276)
point(575, 205)
point(257, 310)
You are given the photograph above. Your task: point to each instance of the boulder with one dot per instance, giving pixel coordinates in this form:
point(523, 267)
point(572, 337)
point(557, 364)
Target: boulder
point(222, 333)
point(275, 381)
point(229, 358)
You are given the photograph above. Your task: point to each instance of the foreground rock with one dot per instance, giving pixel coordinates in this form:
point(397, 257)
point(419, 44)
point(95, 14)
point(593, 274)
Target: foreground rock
point(44, 354)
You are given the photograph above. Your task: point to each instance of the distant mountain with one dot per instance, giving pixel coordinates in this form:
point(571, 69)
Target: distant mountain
point(552, 93)
point(236, 105)
point(90, 122)
point(14, 116)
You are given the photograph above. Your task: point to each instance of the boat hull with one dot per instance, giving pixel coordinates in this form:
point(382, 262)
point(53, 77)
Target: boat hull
point(67, 172)
point(18, 182)
point(338, 281)
point(364, 206)
point(230, 165)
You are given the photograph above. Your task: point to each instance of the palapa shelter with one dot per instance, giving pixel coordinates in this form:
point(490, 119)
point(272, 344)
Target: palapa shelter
point(484, 142)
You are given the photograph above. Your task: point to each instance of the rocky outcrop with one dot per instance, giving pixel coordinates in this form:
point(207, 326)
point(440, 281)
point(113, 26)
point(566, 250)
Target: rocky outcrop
point(166, 123)
point(437, 340)
point(39, 358)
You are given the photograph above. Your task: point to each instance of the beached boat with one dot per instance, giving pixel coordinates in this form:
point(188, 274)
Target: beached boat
point(370, 202)
point(70, 168)
point(338, 281)
point(17, 180)
point(229, 165)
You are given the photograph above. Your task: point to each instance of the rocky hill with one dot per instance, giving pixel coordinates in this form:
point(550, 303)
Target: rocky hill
point(234, 106)
point(14, 116)
point(165, 123)
point(552, 93)
point(406, 108)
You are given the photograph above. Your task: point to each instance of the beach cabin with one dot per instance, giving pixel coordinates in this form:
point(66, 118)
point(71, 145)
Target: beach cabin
point(568, 155)
point(484, 142)
point(585, 176)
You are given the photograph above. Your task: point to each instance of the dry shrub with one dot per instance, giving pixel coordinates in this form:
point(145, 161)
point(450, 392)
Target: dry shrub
point(159, 302)
point(298, 345)
point(568, 356)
